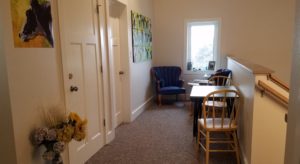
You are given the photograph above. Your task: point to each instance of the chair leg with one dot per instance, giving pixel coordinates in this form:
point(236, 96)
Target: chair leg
point(186, 102)
point(207, 148)
point(159, 100)
point(236, 145)
point(199, 134)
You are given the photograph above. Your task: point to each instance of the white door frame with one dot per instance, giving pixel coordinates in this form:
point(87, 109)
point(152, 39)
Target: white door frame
point(106, 71)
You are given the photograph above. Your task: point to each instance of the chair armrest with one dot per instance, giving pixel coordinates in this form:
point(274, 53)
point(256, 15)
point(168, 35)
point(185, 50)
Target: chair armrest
point(159, 84)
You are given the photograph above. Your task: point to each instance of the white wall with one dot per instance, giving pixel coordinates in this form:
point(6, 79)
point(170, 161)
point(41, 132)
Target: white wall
point(293, 128)
point(140, 80)
point(269, 126)
point(7, 151)
point(262, 129)
point(258, 31)
point(35, 82)
point(244, 80)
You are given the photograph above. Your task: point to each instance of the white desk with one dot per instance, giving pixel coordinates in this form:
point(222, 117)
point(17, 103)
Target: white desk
point(200, 91)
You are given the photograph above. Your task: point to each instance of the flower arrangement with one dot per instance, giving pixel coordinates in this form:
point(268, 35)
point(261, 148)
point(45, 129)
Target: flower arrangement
point(56, 137)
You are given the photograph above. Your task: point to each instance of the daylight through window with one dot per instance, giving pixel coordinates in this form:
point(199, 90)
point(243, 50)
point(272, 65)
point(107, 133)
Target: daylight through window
point(202, 39)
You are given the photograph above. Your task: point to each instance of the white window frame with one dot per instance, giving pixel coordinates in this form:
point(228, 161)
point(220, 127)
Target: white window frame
point(216, 51)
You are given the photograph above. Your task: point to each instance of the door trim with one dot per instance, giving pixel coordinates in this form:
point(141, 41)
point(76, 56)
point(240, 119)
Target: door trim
point(106, 69)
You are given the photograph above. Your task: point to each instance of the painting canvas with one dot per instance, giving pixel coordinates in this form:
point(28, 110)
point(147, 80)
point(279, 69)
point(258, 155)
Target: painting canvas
point(141, 37)
point(32, 23)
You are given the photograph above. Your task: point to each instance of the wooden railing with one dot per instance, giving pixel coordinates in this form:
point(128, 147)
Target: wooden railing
point(265, 88)
point(278, 82)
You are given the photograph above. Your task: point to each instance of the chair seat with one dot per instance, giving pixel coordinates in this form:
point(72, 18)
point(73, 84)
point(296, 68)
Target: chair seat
point(216, 103)
point(218, 124)
point(171, 90)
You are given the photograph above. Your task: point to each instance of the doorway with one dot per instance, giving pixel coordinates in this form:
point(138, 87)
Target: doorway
point(118, 49)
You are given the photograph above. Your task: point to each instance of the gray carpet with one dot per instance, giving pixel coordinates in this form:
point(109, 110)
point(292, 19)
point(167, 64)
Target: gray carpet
point(160, 135)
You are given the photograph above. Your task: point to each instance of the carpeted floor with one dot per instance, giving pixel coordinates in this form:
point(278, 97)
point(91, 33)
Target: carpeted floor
point(160, 135)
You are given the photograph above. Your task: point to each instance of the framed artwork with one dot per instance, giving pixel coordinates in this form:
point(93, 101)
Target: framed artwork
point(141, 37)
point(32, 23)
point(211, 65)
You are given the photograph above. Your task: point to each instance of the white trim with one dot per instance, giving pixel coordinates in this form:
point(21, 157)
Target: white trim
point(135, 113)
point(110, 59)
point(244, 159)
point(110, 136)
point(106, 68)
point(217, 41)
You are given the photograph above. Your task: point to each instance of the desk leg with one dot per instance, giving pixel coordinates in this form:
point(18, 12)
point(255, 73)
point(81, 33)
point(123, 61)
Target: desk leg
point(196, 113)
point(230, 102)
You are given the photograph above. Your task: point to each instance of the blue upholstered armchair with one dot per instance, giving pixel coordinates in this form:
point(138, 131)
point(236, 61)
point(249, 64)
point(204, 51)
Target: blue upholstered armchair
point(167, 81)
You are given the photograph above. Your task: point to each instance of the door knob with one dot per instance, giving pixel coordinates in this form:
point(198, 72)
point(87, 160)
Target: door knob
point(73, 88)
point(121, 72)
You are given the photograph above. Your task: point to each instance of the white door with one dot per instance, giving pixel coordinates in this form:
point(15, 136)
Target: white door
point(117, 27)
point(78, 21)
point(115, 50)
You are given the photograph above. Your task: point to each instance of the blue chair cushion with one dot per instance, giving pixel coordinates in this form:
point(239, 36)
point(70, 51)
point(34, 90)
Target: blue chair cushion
point(171, 90)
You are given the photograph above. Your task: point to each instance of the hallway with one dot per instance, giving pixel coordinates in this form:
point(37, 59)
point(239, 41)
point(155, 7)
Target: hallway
point(159, 135)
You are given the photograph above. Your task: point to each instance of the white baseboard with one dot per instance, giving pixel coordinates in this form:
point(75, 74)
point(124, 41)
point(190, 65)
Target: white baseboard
point(119, 119)
point(141, 109)
point(109, 137)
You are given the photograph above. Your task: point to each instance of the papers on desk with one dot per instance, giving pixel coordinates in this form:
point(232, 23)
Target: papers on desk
point(196, 80)
point(200, 81)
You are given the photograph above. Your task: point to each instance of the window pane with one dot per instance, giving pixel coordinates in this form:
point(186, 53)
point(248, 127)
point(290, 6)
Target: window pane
point(201, 45)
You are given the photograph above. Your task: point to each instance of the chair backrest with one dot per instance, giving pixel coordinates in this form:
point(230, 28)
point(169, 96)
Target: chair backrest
point(227, 114)
point(219, 81)
point(168, 75)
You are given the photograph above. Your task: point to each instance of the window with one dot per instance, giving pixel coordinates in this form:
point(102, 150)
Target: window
point(201, 45)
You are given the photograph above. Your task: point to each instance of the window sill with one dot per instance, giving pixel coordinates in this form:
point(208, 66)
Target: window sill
point(204, 72)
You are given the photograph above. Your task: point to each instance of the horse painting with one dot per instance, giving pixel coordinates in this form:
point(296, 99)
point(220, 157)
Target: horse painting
point(38, 22)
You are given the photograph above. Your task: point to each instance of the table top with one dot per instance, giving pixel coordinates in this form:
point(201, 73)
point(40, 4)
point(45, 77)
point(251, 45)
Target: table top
point(201, 91)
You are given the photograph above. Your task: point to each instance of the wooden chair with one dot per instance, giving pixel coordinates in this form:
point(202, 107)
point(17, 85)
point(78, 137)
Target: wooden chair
point(219, 81)
point(223, 72)
point(212, 123)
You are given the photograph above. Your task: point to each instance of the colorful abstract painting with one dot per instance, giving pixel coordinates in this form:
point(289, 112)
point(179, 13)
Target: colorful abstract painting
point(32, 23)
point(141, 37)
